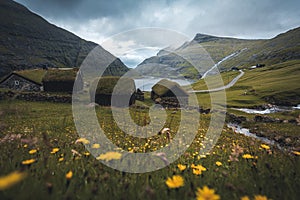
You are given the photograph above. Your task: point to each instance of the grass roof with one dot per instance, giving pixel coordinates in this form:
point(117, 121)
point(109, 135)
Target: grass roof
point(164, 85)
point(107, 84)
point(35, 75)
point(60, 75)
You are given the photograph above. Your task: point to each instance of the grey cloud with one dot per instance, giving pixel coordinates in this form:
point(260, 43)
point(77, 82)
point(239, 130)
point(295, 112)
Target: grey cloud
point(248, 19)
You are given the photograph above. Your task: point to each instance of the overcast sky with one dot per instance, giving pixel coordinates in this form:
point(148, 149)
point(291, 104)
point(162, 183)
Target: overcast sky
point(96, 20)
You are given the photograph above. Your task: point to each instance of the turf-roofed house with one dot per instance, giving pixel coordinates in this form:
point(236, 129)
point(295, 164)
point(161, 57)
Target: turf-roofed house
point(123, 89)
point(169, 94)
point(62, 80)
point(26, 80)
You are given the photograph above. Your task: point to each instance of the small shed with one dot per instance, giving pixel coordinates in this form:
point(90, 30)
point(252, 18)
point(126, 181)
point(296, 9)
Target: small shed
point(62, 80)
point(123, 88)
point(17, 81)
point(169, 94)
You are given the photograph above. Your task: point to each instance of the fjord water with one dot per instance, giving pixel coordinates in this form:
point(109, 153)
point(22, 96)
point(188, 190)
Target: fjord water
point(147, 82)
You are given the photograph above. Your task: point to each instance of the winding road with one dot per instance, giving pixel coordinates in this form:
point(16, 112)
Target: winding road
point(223, 87)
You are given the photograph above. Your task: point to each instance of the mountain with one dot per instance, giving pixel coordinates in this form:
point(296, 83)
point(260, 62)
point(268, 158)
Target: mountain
point(29, 41)
point(168, 63)
point(282, 48)
point(244, 53)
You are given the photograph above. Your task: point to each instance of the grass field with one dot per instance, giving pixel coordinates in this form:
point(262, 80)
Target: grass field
point(237, 166)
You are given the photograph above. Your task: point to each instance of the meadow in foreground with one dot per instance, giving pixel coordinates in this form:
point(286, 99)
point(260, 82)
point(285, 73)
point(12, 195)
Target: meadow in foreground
point(42, 156)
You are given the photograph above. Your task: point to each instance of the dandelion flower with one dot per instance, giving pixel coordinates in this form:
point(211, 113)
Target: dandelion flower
point(218, 163)
point(82, 140)
point(248, 156)
point(28, 162)
point(206, 194)
point(260, 197)
point(175, 182)
point(181, 167)
point(54, 150)
point(245, 198)
point(110, 156)
point(32, 151)
point(96, 146)
point(60, 159)
point(69, 175)
point(264, 146)
point(11, 179)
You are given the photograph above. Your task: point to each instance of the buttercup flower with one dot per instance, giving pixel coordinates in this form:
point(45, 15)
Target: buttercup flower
point(69, 175)
point(11, 179)
point(54, 150)
point(181, 167)
point(206, 194)
point(28, 162)
point(260, 197)
point(248, 156)
point(32, 151)
point(245, 198)
point(218, 163)
point(110, 156)
point(175, 182)
point(264, 146)
point(198, 169)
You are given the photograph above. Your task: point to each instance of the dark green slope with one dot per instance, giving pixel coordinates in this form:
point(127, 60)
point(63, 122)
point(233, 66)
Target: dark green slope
point(28, 41)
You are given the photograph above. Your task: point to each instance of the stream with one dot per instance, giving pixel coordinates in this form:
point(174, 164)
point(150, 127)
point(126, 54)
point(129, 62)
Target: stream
point(244, 131)
point(273, 109)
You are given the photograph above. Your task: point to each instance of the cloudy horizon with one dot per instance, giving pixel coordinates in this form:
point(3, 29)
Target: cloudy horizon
point(96, 21)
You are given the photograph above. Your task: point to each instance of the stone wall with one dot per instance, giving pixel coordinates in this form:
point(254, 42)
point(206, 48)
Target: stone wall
point(36, 96)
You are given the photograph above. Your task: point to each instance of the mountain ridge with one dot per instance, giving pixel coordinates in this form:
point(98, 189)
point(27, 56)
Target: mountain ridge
point(29, 41)
point(281, 48)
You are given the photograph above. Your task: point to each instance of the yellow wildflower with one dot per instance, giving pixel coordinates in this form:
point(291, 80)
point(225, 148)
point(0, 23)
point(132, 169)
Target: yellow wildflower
point(86, 153)
point(69, 175)
point(96, 146)
point(25, 145)
point(218, 163)
point(198, 169)
point(11, 179)
point(181, 167)
point(248, 156)
point(110, 156)
point(175, 182)
point(296, 153)
point(32, 151)
point(245, 198)
point(264, 146)
point(60, 159)
point(206, 194)
point(260, 197)
point(82, 140)
point(28, 162)
point(54, 150)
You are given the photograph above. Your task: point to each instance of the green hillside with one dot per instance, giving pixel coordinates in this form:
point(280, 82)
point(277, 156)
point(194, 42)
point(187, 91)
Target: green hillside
point(276, 84)
point(282, 48)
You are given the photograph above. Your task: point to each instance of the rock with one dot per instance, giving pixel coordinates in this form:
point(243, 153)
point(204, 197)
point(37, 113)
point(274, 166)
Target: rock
point(266, 119)
point(288, 140)
point(235, 119)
